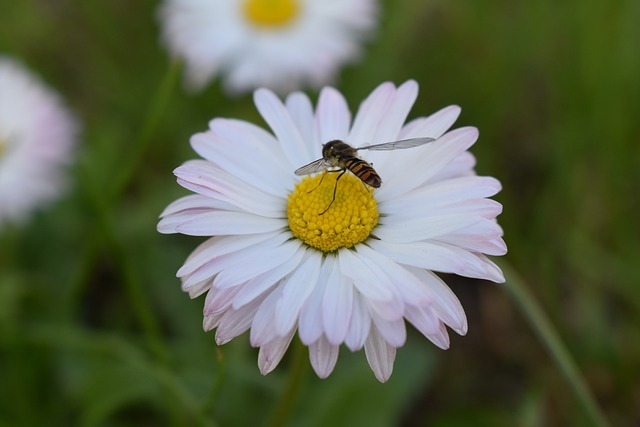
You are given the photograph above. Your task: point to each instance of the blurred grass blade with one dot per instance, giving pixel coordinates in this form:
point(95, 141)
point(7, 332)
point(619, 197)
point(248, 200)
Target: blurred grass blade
point(550, 338)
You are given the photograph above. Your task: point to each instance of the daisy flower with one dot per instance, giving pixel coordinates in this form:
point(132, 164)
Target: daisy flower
point(37, 135)
point(281, 44)
point(284, 257)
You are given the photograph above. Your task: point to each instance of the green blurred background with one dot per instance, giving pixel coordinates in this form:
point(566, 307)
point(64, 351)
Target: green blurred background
point(95, 331)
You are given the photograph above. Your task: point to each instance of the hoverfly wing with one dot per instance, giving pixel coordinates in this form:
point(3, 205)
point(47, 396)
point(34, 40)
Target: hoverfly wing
point(397, 145)
point(313, 167)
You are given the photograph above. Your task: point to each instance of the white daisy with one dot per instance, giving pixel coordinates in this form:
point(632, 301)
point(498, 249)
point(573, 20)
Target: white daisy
point(281, 44)
point(37, 135)
point(351, 275)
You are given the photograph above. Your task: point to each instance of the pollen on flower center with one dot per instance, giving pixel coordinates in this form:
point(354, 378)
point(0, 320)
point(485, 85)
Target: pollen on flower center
point(271, 13)
point(347, 221)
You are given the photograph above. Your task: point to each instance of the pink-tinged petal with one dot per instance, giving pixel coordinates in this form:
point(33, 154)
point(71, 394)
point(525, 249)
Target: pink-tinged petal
point(332, 115)
point(301, 111)
point(240, 269)
point(380, 355)
point(323, 356)
point(205, 178)
point(237, 261)
point(310, 323)
point(445, 304)
point(371, 112)
point(423, 228)
point(196, 289)
point(424, 162)
point(397, 110)
point(191, 203)
point(404, 284)
point(263, 325)
point(433, 126)
point(279, 120)
point(337, 305)
point(211, 322)
point(442, 193)
point(363, 275)
point(236, 322)
point(263, 282)
point(360, 324)
point(463, 165)
point(391, 310)
point(296, 289)
point(235, 152)
point(218, 246)
point(428, 255)
point(441, 337)
point(271, 353)
point(219, 300)
point(393, 331)
point(230, 223)
point(424, 319)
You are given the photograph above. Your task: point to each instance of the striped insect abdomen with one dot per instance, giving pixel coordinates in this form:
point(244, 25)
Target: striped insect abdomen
point(364, 171)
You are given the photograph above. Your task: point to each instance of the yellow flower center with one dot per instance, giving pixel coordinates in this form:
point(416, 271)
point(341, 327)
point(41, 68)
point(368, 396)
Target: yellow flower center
point(271, 13)
point(327, 225)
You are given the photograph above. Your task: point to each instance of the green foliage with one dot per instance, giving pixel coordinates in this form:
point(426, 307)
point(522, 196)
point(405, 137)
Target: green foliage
point(94, 330)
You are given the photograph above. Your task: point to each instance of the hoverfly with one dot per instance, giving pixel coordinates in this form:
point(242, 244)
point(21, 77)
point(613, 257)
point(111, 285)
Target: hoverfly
point(340, 155)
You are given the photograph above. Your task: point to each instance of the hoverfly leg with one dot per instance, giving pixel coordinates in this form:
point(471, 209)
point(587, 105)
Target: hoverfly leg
point(334, 190)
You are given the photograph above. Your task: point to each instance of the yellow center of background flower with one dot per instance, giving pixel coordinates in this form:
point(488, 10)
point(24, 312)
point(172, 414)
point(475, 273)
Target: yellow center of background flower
point(271, 13)
point(349, 220)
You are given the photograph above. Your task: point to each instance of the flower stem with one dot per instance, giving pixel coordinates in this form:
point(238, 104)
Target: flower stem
point(151, 121)
point(297, 374)
point(550, 338)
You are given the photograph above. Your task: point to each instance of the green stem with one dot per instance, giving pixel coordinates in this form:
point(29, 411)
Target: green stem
point(297, 374)
point(550, 338)
point(154, 115)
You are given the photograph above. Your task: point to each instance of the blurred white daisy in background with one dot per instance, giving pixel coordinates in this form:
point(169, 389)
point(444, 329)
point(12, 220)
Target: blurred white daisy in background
point(278, 264)
point(37, 136)
point(280, 44)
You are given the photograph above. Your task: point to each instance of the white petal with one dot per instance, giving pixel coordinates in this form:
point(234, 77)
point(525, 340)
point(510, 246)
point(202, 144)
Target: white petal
point(441, 337)
point(441, 194)
point(229, 223)
point(337, 305)
point(371, 112)
point(363, 275)
point(238, 260)
point(332, 115)
point(236, 322)
point(424, 319)
point(233, 149)
point(301, 112)
point(380, 356)
point(393, 331)
point(422, 228)
point(423, 162)
point(263, 282)
point(279, 120)
point(271, 353)
point(445, 304)
point(404, 284)
point(360, 324)
point(310, 324)
point(218, 300)
point(197, 289)
point(323, 356)
point(249, 263)
point(433, 126)
point(297, 288)
point(203, 177)
point(218, 246)
point(263, 325)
